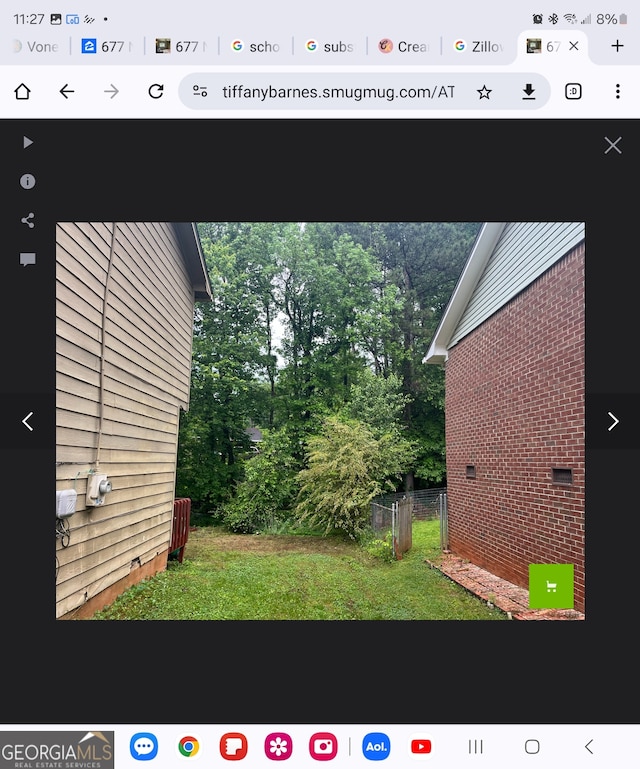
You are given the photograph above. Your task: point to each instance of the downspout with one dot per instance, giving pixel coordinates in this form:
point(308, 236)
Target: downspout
point(103, 346)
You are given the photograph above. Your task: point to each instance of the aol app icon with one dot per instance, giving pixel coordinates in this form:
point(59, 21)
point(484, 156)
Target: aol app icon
point(376, 746)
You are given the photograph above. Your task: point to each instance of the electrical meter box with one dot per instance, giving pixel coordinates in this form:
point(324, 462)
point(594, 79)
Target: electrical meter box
point(66, 503)
point(98, 486)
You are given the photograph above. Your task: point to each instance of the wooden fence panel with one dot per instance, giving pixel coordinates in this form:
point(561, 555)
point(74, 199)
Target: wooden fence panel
point(405, 510)
point(180, 526)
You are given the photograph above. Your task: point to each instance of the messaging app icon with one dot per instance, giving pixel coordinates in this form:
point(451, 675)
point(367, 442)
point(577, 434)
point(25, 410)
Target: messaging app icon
point(233, 746)
point(144, 746)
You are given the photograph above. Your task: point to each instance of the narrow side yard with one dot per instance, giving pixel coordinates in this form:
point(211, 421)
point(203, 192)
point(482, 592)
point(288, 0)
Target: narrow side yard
point(276, 577)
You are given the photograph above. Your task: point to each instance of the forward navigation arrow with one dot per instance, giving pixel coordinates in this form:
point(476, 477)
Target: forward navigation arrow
point(615, 421)
point(113, 90)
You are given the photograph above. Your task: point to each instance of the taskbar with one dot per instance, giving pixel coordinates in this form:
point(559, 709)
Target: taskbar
point(312, 745)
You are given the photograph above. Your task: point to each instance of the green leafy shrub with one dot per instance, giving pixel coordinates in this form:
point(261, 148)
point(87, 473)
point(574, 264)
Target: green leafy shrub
point(347, 467)
point(379, 548)
point(264, 497)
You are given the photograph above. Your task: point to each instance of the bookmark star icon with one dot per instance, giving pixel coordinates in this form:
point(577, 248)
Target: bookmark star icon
point(484, 92)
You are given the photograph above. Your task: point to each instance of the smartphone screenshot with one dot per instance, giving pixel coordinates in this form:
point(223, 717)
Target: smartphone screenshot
point(319, 322)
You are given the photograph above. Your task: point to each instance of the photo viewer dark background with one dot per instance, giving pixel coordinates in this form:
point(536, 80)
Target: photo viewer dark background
point(307, 170)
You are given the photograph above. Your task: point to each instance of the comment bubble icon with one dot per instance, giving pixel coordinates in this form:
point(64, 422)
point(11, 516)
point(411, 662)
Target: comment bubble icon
point(27, 257)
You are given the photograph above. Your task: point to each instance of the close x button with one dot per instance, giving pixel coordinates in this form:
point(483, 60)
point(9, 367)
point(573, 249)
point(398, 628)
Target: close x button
point(613, 421)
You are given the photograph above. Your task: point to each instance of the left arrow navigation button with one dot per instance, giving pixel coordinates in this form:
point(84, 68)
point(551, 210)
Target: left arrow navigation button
point(28, 422)
point(65, 90)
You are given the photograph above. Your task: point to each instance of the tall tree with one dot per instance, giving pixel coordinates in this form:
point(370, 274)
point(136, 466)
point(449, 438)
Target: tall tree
point(422, 262)
point(225, 385)
point(324, 286)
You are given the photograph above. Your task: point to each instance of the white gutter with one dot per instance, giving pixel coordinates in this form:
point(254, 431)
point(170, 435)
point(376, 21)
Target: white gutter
point(482, 249)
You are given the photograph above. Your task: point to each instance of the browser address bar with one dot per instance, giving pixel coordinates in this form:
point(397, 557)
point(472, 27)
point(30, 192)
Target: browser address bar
point(317, 91)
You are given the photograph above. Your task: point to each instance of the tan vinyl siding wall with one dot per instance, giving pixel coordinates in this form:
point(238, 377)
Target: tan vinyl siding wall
point(144, 381)
point(524, 251)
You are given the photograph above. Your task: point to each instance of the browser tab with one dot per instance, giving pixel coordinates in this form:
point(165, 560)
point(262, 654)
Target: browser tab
point(38, 48)
point(336, 49)
point(252, 48)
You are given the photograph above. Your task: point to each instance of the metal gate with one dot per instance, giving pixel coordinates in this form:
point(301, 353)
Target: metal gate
point(395, 518)
point(396, 512)
point(444, 520)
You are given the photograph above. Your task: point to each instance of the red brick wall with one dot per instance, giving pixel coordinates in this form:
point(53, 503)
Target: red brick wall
point(514, 411)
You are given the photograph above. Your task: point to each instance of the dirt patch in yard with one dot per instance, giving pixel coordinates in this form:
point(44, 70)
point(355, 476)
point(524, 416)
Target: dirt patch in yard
point(208, 538)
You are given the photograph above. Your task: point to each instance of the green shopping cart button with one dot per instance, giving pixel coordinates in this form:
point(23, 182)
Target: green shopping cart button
point(551, 586)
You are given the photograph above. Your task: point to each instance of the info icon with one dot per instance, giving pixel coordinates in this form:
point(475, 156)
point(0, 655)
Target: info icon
point(323, 746)
point(376, 746)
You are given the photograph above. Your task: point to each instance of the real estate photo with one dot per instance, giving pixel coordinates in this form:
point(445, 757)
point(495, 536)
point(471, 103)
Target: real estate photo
point(320, 421)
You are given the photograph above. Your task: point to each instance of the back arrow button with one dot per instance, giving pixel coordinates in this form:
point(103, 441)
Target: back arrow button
point(588, 748)
point(25, 421)
point(65, 90)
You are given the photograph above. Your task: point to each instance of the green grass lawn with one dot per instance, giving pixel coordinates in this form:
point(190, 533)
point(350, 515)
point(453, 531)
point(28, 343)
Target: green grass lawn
point(273, 577)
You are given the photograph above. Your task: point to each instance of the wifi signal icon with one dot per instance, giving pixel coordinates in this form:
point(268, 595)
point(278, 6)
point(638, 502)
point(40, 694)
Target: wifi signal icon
point(571, 18)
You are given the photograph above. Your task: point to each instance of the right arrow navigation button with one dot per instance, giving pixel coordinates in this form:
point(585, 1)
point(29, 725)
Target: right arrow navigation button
point(612, 421)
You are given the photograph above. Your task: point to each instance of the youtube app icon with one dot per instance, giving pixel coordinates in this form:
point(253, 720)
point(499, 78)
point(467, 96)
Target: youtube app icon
point(420, 746)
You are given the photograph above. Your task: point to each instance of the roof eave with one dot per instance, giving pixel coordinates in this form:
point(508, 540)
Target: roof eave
point(194, 259)
point(479, 256)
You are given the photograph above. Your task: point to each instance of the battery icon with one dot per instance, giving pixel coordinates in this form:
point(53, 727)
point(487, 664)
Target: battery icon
point(623, 18)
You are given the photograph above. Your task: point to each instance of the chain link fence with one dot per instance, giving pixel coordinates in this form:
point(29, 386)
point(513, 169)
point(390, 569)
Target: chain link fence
point(423, 505)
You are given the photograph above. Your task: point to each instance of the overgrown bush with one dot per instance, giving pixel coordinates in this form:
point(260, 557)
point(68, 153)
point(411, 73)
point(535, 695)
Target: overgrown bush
point(264, 497)
point(347, 467)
